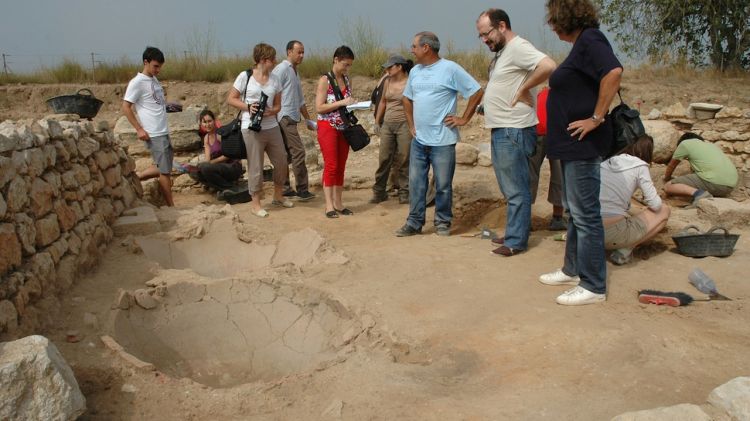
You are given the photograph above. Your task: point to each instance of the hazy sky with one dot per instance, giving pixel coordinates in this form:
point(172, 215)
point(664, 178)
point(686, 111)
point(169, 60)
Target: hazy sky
point(42, 32)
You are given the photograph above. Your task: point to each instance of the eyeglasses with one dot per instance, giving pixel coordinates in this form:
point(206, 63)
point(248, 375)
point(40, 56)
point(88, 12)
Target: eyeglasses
point(486, 34)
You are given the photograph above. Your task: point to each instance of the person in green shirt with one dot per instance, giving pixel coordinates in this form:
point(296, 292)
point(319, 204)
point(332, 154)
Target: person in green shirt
point(713, 174)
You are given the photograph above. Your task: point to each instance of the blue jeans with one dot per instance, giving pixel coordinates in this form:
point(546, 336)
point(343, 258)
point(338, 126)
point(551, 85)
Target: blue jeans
point(584, 246)
point(511, 150)
point(443, 161)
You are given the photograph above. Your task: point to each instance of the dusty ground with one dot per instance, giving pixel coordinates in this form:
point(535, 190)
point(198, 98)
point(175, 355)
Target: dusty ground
point(454, 331)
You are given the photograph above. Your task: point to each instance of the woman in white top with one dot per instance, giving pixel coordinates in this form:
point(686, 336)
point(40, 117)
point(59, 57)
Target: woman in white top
point(268, 139)
point(621, 175)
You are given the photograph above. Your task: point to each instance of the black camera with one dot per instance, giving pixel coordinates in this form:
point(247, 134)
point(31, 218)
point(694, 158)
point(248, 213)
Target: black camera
point(257, 118)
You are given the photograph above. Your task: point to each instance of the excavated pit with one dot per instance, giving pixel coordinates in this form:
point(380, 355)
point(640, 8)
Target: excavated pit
point(206, 316)
point(227, 332)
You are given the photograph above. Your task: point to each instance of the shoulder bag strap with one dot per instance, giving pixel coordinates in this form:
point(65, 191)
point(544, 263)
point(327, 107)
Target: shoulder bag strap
point(249, 73)
point(345, 116)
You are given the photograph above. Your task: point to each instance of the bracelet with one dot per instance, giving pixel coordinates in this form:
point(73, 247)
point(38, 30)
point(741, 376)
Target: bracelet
point(597, 119)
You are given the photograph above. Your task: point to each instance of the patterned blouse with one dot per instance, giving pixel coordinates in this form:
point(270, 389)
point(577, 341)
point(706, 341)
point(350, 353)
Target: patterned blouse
point(334, 117)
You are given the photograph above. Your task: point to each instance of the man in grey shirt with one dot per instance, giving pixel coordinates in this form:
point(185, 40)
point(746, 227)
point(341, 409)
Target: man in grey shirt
point(292, 109)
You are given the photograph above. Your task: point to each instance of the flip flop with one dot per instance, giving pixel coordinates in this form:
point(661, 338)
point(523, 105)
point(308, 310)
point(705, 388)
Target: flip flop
point(332, 214)
point(345, 211)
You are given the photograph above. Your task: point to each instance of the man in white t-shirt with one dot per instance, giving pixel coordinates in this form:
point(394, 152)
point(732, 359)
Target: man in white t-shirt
point(509, 112)
point(144, 97)
point(293, 108)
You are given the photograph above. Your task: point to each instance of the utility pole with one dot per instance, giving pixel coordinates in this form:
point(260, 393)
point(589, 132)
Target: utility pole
point(5, 64)
point(93, 66)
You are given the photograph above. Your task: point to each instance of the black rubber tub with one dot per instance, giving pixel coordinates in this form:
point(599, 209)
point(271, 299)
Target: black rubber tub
point(83, 103)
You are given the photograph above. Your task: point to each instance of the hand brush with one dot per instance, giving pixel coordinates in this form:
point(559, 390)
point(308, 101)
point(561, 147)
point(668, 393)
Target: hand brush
point(674, 299)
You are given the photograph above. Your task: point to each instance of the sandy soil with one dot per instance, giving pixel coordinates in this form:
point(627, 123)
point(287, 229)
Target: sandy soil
point(448, 330)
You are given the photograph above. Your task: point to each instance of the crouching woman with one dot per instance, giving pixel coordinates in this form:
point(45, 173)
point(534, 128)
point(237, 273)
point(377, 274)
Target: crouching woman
point(621, 175)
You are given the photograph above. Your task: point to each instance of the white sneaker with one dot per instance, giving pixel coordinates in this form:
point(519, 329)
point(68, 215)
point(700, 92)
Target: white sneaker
point(558, 277)
point(579, 296)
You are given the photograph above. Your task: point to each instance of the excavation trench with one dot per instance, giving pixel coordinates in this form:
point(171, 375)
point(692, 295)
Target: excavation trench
point(226, 332)
point(211, 320)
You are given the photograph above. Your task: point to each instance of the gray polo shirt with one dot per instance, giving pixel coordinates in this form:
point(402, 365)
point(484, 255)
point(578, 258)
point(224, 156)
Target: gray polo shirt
point(291, 94)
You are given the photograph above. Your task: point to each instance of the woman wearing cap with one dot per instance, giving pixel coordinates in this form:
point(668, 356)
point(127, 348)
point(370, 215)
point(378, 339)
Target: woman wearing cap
point(395, 138)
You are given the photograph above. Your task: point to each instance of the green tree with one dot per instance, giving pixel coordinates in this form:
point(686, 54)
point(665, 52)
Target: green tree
point(715, 32)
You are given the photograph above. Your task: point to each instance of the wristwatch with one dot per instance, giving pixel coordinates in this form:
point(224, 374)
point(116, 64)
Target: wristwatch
point(597, 119)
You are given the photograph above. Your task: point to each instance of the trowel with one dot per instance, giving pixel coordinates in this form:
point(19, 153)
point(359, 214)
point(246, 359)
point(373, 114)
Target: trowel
point(706, 285)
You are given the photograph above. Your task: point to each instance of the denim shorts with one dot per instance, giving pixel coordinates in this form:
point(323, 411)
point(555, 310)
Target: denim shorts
point(625, 233)
point(161, 152)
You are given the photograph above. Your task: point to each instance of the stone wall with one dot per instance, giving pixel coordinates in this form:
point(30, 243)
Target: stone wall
point(63, 182)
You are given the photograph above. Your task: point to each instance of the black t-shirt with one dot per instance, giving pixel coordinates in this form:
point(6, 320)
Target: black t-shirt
point(574, 90)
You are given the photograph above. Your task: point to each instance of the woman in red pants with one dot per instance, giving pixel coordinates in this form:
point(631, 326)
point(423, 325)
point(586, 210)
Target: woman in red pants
point(333, 146)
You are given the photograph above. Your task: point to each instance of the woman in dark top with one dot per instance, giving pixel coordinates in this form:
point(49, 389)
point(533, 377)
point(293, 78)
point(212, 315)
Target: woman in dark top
point(578, 134)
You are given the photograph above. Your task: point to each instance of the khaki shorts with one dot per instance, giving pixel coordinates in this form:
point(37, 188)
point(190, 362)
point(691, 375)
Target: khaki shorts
point(626, 233)
point(693, 180)
point(161, 152)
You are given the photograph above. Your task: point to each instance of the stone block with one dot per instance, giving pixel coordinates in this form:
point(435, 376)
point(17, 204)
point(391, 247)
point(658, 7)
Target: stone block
point(682, 412)
point(466, 154)
point(665, 139)
point(66, 272)
point(74, 243)
point(8, 139)
point(733, 397)
point(11, 248)
point(676, 110)
point(138, 221)
point(7, 171)
point(66, 216)
point(58, 249)
point(54, 180)
point(725, 212)
point(53, 127)
point(47, 230)
point(87, 146)
point(8, 316)
point(26, 233)
point(112, 176)
point(20, 162)
point(41, 196)
point(62, 154)
point(34, 364)
point(17, 195)
point(27, 139)
point(50, 155)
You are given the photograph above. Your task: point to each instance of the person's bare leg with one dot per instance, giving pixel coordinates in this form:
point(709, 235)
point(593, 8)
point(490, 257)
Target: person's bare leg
point(655, 222)
point(165, 184)
point(255, 204)
point(679, 189)
point(278, 192)
point(328, 193)
point(337, 191)
point(150, 172)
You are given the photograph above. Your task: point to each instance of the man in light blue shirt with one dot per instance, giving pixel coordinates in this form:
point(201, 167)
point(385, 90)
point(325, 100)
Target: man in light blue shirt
point(430, 100)
point(293, 108)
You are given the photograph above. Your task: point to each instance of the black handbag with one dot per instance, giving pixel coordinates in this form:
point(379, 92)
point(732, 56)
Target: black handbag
point(232, 143)
point(354, 133)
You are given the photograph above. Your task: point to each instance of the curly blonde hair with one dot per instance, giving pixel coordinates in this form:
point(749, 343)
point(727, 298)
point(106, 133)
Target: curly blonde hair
point(567, 16)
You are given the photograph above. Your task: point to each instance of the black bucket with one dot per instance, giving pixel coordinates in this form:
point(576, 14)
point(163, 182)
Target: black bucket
point(86, 106)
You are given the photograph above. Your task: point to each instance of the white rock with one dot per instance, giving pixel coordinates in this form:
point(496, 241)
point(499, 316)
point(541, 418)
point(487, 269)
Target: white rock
point(733, 397)
point(128, 388)
point(665, 139)
point(655, 114)
point(34, 364)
